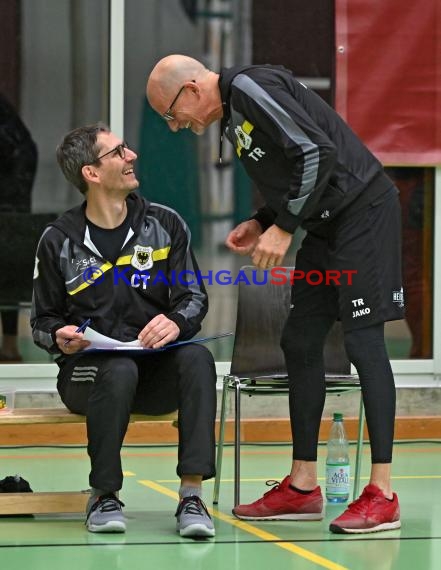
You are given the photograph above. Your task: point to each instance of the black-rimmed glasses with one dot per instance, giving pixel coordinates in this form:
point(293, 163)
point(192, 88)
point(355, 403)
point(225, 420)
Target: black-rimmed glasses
point(168, 115)
point(119, 149)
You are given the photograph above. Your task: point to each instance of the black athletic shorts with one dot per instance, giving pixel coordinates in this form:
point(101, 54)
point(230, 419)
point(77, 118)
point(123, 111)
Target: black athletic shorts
point(353, 273)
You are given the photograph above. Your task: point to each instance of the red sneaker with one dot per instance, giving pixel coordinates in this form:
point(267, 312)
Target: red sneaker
point(371, 512)
point(283, 503)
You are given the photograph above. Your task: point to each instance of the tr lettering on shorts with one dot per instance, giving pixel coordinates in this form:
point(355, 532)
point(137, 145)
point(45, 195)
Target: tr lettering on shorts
point(360, 309)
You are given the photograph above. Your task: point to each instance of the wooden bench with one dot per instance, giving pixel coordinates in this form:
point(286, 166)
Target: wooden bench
point(54, 502)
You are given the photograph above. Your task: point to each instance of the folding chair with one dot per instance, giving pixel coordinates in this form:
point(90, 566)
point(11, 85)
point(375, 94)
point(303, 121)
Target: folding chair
point(258, 364)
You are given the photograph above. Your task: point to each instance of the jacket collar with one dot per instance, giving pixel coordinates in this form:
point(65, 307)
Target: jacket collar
point(73, 222)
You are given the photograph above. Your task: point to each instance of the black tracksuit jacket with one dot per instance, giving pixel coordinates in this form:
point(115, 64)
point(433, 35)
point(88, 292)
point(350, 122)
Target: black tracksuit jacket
point(148, 278)
point(304, 159)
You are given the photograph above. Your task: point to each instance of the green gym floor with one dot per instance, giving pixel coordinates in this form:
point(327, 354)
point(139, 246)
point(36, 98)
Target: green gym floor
point(149, 493)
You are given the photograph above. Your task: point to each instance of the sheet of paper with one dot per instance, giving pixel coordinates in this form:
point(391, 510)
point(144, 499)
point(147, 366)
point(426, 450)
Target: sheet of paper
point(98, 340)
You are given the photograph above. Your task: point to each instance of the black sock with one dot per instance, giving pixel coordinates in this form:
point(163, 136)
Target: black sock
point(301, 491)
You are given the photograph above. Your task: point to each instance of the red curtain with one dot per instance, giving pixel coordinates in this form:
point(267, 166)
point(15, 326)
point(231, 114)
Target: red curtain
point(388, 77)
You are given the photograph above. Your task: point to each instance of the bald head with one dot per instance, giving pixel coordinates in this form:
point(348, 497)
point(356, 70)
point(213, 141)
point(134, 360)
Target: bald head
point(170, 73)
point(184, 93)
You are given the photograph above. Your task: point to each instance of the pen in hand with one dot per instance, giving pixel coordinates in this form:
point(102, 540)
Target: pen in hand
point(81, 328)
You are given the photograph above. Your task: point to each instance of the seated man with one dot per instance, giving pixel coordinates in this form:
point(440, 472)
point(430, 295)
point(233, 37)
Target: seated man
point(118, 260)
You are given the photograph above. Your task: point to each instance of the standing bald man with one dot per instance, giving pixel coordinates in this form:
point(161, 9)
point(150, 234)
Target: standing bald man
point(313, 173)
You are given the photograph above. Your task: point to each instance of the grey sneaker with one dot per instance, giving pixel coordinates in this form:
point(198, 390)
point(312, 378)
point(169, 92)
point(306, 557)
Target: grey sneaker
point(105, 515)
point(192, 518)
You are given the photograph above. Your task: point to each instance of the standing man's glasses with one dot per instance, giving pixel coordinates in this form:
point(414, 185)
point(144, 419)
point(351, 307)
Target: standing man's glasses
point(168, 115)
point(119, 149)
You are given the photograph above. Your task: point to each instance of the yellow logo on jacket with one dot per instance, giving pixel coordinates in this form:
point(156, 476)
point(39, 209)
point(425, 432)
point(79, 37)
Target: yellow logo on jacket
point(243, 138)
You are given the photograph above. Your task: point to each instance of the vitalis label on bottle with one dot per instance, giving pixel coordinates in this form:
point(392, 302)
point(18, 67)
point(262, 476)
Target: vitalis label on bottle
point(337, 479)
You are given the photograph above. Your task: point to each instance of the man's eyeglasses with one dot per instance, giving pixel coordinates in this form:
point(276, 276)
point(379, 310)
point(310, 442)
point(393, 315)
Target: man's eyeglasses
point(168, 115)
point(119, 149)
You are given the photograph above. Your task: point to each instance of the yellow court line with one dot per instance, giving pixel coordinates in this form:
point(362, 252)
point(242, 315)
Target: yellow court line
point(159, 488)
point(307, 554)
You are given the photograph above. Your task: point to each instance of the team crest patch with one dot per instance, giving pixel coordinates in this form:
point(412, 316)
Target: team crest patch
point(243, 139)
point(143, 257)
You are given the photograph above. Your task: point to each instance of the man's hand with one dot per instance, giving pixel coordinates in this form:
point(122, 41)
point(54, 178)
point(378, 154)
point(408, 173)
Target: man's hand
point(243, 239)
point(158, 332)
point(69, 341)
point(271, 248)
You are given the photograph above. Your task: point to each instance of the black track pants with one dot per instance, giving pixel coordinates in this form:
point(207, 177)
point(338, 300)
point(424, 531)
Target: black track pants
point(107, 388)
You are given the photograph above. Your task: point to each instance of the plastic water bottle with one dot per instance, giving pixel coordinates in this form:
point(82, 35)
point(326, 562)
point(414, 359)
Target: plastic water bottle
point(337, 463)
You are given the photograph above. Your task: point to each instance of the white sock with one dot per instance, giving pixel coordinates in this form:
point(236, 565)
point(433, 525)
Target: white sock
point(187, 491)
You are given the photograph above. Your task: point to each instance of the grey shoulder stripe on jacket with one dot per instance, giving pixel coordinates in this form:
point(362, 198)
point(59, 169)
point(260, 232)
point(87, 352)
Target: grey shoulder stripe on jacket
point(288, 126)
